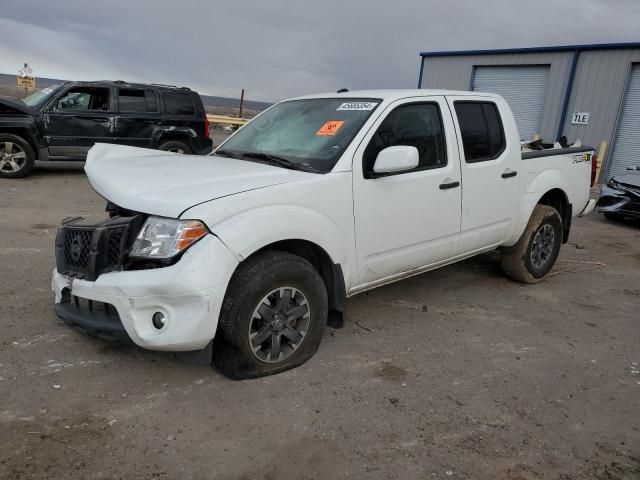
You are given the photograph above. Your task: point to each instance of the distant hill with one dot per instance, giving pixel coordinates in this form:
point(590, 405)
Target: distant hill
point(208, 100)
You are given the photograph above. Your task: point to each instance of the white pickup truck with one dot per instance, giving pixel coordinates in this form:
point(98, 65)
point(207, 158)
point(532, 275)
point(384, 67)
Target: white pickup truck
point(250, 252)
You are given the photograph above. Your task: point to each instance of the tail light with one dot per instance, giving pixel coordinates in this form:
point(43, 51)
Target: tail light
point(594, 168)
point(206, 127)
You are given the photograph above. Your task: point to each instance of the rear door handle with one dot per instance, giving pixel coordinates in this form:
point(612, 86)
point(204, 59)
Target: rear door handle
point(99, 119)
point(509, 174)
point(445, 186)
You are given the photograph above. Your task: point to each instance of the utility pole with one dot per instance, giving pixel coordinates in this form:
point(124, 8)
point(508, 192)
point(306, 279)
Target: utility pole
point(241, 103)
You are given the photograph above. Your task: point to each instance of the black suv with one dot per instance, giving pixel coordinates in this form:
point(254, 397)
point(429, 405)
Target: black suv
point(64, 121)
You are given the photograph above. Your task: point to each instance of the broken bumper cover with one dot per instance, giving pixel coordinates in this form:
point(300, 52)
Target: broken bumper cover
point(189, 294)
point(624, 201)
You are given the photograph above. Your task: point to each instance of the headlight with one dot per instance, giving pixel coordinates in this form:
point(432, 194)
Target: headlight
point(164, 238)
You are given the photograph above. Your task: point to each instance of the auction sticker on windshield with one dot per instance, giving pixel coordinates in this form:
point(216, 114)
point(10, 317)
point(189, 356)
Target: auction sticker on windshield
point(366, 106)
point(330, 128)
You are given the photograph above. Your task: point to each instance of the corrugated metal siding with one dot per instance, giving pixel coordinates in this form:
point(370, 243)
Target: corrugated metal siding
point(455, 73)
point(523, 87)
point(627, 141)
point(598, 88)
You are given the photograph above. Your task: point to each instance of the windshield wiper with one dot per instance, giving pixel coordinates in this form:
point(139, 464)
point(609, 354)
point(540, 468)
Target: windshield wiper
point(226, 153)
point(280, 161)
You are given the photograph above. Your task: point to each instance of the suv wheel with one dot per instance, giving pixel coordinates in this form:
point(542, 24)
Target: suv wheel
point(273, 316)
point(175, 146)
point(537, 250)
point(16, 156)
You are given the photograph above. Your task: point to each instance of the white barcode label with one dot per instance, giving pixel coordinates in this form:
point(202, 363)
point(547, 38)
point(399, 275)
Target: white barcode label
point(357, 106)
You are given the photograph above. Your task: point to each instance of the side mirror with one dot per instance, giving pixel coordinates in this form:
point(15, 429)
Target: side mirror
point(396, 159)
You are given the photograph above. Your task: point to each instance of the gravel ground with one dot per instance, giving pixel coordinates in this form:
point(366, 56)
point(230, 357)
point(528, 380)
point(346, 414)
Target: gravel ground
point(464, 374)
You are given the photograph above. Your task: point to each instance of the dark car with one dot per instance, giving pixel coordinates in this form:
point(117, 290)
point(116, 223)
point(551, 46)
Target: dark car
point(64, 121)
point(620, 197)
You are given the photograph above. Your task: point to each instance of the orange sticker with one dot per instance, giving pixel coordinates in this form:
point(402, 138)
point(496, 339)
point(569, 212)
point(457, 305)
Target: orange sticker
point(330, 128)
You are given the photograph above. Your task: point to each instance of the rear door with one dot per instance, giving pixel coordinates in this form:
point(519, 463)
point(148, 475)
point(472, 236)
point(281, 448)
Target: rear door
point(77, 119)
point(138, 116)
point(490, 167)
point(410, 219)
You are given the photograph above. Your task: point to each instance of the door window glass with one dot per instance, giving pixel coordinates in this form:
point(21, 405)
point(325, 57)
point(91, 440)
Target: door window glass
point(417, 125)
point(481, 128)
point(84, 99)
point(136, 100)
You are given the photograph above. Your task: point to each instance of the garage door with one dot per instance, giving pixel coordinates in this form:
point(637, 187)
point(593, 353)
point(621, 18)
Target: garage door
point(626, 146)
point(523, 87)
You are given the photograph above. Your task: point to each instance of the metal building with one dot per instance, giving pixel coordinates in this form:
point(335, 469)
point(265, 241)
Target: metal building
point(586, 92)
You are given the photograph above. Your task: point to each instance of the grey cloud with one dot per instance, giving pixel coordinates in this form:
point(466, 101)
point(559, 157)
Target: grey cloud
point(280, 48)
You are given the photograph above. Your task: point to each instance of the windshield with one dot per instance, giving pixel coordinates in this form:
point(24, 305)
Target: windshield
point(302, 134)
point(41, 96)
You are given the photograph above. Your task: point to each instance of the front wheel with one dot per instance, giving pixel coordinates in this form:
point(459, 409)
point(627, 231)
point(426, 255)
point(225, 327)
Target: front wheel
point(272, 317)
point(16, 156)
point(537, 249)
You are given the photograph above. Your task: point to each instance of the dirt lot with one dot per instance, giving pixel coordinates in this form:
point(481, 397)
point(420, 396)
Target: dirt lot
point(465, 375)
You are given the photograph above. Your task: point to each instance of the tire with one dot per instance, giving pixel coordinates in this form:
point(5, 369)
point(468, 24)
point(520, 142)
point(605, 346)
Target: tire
point(176, 146)
point(614, 217)
point(280, 286)
point(537, 249)
point(16, 156)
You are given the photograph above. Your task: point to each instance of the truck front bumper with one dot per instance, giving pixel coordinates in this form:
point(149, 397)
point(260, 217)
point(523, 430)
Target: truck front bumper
point(121, 305)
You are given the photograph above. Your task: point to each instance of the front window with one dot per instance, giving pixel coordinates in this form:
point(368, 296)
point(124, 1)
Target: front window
point(41, 96)
point(302, 134)
point(85, 98)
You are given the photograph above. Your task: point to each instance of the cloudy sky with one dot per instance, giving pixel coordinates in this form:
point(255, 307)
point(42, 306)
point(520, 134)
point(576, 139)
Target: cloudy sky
point(278, 48)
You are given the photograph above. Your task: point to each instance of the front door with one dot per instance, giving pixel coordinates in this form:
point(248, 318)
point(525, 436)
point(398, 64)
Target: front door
point(409, 219)
point(77, 120)
point(490, 167)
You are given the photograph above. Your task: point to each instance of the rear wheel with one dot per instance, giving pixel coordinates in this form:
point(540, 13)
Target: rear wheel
point(537, 249)
point(16, 156)
point(175, 146)
point(272, 317)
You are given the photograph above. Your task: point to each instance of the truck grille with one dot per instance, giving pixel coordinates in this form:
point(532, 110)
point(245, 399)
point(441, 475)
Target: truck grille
point(76, 247)
point(85, 251)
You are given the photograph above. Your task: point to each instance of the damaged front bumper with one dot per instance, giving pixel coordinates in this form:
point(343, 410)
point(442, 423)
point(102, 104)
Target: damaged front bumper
point(121, 305)
point(619, 200)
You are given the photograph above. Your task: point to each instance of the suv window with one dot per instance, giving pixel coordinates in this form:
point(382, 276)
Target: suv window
point(85, 98)
point(417, 125)
point(481, 129)
point(137, 100)
point(178, 104)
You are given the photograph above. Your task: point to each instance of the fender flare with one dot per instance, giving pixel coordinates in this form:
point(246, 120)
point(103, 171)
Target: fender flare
point(160, 133)
point(29, 131)
point(536, 188)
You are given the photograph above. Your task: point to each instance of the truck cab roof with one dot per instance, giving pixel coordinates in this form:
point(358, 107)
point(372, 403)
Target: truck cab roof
point(396, 94)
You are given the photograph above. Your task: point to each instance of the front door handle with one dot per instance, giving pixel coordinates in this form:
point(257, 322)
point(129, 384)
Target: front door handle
point(509, 174)
point(446, 185)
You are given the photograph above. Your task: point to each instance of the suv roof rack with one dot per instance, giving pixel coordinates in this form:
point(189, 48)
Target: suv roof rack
point(168, 86)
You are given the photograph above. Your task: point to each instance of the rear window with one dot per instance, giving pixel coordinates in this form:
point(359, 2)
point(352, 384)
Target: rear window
point(137, 100)
point(481, 129)
point(178, 104)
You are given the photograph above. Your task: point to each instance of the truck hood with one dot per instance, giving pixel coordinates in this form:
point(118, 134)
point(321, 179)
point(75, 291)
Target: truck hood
point(13, 105)
point(167, 184)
